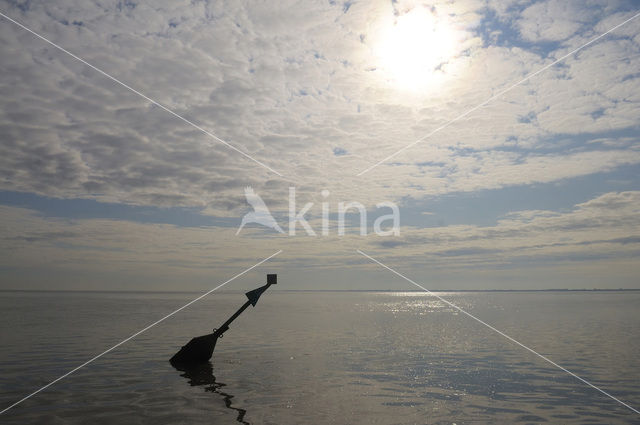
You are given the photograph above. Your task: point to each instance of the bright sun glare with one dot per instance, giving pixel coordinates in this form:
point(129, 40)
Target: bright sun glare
point(411, 48)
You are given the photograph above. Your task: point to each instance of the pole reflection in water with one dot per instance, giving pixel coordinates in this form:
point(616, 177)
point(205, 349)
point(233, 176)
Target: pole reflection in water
point(201, 375)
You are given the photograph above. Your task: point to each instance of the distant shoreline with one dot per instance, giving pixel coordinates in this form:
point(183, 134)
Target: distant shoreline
point(417, 291)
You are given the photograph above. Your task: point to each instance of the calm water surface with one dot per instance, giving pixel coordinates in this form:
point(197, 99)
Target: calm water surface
point(323, 357)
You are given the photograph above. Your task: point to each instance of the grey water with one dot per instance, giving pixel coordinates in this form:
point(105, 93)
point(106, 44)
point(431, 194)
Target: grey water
point(323, 358)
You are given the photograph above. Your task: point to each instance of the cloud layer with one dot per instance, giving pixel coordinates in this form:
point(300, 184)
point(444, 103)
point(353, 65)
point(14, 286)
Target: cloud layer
point(298, 86)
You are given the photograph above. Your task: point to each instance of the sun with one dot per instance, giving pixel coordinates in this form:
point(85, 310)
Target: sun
point(411, 48)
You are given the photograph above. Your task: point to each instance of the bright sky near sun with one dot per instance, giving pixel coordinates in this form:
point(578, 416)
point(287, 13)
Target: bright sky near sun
point(411, 48)
point(537, 188)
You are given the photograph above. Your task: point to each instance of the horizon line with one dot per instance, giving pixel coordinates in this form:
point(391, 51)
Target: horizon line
point(330, 290)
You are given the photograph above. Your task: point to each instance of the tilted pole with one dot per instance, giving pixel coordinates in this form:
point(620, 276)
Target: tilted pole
point(200, 349)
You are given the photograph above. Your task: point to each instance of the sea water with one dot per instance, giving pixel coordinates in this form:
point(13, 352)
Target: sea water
point(323, 358)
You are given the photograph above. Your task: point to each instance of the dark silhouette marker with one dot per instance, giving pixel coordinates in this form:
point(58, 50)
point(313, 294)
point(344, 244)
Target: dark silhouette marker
point(200, 349)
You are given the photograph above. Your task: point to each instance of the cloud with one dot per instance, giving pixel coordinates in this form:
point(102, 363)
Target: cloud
point(243, 72)
point(43, 236)
point(555, 20)
point(602, 231)
point(299, 88)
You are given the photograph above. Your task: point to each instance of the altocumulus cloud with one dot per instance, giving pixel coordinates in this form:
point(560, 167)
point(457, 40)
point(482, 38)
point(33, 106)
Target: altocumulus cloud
point(295, 84)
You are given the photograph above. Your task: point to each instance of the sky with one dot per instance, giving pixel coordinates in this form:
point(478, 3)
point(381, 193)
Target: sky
point(514, 161)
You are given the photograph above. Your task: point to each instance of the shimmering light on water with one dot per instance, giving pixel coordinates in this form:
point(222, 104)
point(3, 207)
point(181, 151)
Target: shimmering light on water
point(323, 358)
